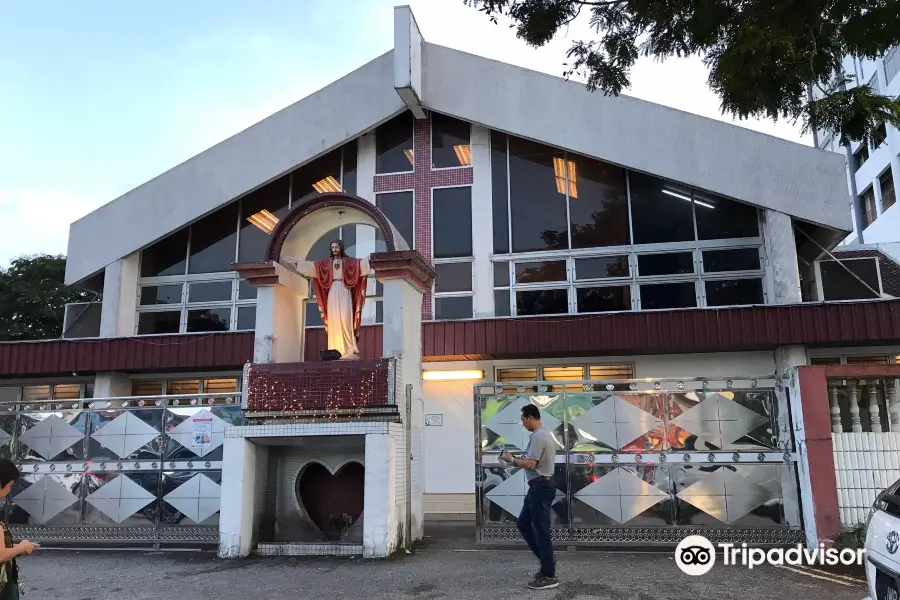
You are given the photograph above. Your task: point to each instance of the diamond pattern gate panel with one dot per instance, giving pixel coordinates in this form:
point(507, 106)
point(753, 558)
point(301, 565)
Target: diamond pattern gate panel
point(645, 461)
point(119, 469)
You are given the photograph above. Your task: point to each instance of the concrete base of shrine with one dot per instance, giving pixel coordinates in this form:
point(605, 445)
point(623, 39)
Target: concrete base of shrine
point(263, 510)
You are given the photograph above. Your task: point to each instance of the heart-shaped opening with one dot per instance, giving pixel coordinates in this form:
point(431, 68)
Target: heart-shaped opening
point(332, 502)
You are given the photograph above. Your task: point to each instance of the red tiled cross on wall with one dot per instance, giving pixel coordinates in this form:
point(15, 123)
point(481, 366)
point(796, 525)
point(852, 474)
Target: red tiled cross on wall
point(421, 181)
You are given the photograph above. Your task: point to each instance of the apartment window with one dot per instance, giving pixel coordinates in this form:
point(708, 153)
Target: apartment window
point(868, 205)
point(888, 191)
point(450, 142)
point(452, 250)
point(879, 136)
point(891, 64)
point(394, 145)
point(862, 155)
point(550, 373)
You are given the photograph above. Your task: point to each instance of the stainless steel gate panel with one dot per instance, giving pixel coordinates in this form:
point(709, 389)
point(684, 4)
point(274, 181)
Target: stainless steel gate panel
point(646, 461)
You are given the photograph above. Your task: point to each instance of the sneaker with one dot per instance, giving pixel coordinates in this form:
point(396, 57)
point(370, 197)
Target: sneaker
point(542, 582)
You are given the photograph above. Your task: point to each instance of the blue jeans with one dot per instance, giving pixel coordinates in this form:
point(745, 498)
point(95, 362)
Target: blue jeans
point(534, 524)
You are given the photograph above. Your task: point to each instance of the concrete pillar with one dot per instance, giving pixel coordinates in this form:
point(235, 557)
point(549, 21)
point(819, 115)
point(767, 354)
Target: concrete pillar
point(111, 385)
point(243, 475)
point(783, 272)
point(118, 312)
point(381, 521)
point(482, 222)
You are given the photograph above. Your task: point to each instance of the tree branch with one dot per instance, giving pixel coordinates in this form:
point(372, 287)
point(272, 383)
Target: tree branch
point(603, 3)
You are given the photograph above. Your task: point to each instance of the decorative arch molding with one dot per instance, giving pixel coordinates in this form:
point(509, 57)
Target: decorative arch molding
point(319, 213)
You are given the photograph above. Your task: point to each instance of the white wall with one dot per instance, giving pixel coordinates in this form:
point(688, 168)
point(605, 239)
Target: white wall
point(450, 448)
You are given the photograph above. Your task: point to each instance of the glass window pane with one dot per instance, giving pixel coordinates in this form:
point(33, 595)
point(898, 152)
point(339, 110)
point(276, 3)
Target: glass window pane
point(676, 263)
point(313, 316)
point(659, 212)
point(152, 295)
point(184, 386)
point(379, 311)
point(166, 257)
point(517, 375)
point(322, 247)
point(448, 309)
point(209, 319)
point(452, 222)
point(499, 192)
point(219, 386)
point(319, 176)
point(610, 372)
point(501, 274)
point(542, 302)
point(394, 145)
point(9, 394)
point(150, 323)
point(89, 390)
point(538, 272)
point(668, 295)
point(598, 204)
point(602, 267)
point(501, 303)
point(260, 212)
point(67, 391)
point(888, 192)
point(350, 152)
point(719, 219)
point(214, 291)
point(734, 292)
point(35, 393)
point(246, 318)
point(453, 277)
point(603, 299)
point(537, 184)
point(742, 259)
point(838, 284)
point(450, 142)
point(214, 241)
point(147, 388)
point(245, 290)
point(398, 208)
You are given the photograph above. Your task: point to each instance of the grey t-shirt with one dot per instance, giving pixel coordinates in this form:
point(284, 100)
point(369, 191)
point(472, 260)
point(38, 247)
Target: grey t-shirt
point(542, 448)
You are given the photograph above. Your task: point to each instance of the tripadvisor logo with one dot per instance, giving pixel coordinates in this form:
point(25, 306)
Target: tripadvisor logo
point(696, 555)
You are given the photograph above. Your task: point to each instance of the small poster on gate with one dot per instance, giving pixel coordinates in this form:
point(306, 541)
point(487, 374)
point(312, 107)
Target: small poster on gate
point(202, 433)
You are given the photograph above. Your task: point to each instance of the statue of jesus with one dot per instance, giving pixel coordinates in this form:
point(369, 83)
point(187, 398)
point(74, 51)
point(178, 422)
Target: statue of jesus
point(340, 283)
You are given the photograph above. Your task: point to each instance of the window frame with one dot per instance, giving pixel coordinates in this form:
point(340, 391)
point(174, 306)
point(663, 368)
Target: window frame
point(820, 288)
point(431, 144)
point(455, 260)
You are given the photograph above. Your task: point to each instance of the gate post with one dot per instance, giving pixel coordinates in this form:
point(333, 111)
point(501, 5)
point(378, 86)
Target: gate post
point(811, 416)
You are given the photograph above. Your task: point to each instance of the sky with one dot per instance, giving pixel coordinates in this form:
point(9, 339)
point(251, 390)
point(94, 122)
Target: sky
point(99, 96)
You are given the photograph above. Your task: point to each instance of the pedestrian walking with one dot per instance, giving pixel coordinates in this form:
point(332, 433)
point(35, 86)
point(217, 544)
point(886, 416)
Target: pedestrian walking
point(9, 570)
point(539, 463)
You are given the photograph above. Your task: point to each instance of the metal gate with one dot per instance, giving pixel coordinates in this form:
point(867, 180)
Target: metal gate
point(117, 470)
point(644, 461)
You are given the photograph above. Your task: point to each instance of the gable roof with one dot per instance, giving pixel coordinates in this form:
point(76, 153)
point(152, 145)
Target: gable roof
point(711, 155)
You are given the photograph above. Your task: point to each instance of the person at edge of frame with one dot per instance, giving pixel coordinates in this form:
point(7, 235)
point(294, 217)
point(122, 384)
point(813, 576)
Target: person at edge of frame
point(539, 462)
point(9, 570)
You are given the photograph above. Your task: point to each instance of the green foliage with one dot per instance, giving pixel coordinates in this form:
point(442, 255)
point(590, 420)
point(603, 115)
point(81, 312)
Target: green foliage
point(764, 56)
point(33, 298)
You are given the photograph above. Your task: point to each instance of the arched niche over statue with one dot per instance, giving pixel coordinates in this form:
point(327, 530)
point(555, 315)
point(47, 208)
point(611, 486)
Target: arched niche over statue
point(317, 214)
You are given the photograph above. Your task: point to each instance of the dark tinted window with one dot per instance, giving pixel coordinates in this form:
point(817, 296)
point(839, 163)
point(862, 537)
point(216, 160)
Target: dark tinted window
point(742, 259)
point(598, 204)
point(539, 272)
point(348, 181)
point(216, 291)
point(501, 274)
point(450, 142)
point(501, 303)
point(668, 295)
point(537, 197)
point(322, 247)
point(542, 302)
point(719, 219)
point(260, 212)
point(394, 145)
point(398, 208)
point(321, 175)
point(161, 294)
point(659, 213)
point(838, 284)
point(313, 316)
point(158, 322)
point(246, 291)
point(214, 241)
point(246, 318)
point(208, 319)
point(453, 277)
point(452, 222)
point(602, 267)
point(500, 193)
point(446, 309)
point(676, 263)
point(603, 299)
point(734, 292)
point(166, 257)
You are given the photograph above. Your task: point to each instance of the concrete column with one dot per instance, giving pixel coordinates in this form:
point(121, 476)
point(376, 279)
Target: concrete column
point(111, 385)
point(241, 479)
point(118, 312)
point(482, 222)
point(783, 272)
point(380, 527)
point(365, 236)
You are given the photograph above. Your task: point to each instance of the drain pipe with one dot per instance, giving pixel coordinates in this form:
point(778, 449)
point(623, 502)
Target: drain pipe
point(409, 458)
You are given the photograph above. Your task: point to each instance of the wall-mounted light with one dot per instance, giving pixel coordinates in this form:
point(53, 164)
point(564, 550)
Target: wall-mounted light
point(452, 375)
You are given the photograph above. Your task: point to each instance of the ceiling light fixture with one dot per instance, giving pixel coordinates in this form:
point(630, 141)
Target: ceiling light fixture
point(452, 375)
point(681, 196)
point(264, 220)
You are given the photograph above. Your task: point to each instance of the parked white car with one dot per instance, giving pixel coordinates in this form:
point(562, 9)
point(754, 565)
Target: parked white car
point(883, 545)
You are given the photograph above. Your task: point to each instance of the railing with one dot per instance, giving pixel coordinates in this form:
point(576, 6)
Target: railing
point(869, 405)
